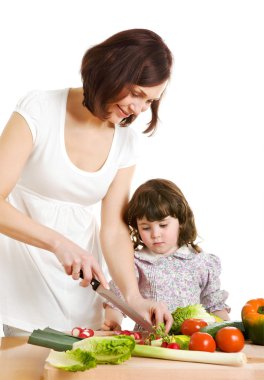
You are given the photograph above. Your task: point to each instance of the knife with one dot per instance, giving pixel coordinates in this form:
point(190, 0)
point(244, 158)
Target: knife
point(121, 305)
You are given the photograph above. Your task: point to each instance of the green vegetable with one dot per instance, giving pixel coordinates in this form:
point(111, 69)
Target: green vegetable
point(73, 360)
point(87, 353)
point(187, 312)
point(54, 339)
point(214, 327)
point(233, 359)
point(182, 340)
point(108, 350)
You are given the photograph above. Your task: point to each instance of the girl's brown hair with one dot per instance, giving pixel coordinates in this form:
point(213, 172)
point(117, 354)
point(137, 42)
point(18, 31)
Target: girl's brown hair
point(129, 58)
point(155, 200)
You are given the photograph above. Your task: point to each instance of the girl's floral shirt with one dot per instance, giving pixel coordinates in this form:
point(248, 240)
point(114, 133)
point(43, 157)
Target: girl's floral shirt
point(182, 278)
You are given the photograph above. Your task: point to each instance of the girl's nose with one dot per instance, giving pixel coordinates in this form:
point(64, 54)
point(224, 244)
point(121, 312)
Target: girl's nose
point(155, 232)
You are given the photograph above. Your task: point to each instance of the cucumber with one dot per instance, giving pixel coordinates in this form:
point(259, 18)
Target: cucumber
point(214, 327)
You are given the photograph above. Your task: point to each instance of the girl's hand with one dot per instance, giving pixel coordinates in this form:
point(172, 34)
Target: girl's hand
point(74, 259)
point(153, 311)
point(110, 326)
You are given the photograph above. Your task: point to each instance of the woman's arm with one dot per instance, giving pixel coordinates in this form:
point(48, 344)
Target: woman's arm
point(119, 253)
point(15, 148)
point(222, 314)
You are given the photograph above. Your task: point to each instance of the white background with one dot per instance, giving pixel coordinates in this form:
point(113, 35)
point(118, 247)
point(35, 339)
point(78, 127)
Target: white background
point(209, 141)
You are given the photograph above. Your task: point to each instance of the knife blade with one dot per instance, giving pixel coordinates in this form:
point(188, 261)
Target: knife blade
point(121, 305)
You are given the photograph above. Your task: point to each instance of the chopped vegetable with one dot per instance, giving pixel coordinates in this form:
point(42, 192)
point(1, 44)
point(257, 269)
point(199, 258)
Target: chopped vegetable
point(253, 319)
point(72, 360)
point(87, 353)
point(108, 350)
point(51, 338)
point(187, 312)
point(233, 359)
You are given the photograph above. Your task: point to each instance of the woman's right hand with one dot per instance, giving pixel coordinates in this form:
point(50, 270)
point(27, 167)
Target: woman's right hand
point(75, 259)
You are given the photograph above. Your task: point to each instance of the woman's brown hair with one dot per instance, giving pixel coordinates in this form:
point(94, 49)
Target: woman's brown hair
point(155, 200)
point(126, 59)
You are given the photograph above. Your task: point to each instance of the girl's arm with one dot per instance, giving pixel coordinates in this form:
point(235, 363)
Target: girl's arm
point(15, 148)
point(119, 253)
point(222, 314)
point(113, 319)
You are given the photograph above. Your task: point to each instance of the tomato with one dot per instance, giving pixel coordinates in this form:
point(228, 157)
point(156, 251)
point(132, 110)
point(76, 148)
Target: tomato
point(192, 325)
point(200, 341)
point(229, 339)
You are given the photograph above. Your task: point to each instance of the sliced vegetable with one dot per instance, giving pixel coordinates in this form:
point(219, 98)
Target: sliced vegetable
point(174, 346)
point(253, 319)
point(51, 338)
point(214, 327)
point(232, 359)
point(72, 360)
point(192, 325)
point(108, 350)
point(201, 341)
point(230, 339)
point(192, 311)
point(87, 353)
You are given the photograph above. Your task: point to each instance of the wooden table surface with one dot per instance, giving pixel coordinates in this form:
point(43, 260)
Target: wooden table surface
point(22, 361)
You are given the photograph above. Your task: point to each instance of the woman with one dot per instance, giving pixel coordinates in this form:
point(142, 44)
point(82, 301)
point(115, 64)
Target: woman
point(60, 153)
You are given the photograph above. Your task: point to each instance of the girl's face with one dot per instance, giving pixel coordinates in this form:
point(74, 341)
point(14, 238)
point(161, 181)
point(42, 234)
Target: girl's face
point(136, 101)
point(160, 236)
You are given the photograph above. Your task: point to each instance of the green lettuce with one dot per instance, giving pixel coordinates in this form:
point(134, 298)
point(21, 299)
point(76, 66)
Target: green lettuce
point(71, 360)
point(108, 350)
point(187, 312)
point(87, 353)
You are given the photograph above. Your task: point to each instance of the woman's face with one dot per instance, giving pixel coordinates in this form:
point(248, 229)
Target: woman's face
point(136, 101)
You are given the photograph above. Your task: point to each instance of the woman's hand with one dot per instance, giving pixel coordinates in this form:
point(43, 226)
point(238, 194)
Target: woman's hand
point(75, 259)
point(153, 311)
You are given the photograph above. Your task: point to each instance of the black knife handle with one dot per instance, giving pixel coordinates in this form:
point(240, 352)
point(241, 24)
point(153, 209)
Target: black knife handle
point(95, 283)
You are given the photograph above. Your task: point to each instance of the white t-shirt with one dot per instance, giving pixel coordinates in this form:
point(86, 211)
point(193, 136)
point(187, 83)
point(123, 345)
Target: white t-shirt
point(35, 292)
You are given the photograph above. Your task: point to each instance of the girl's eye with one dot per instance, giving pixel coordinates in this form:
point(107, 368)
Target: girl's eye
point(145, 228)
point(163, 225)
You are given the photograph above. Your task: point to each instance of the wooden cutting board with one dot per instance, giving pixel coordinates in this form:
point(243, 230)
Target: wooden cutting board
point(157, 369)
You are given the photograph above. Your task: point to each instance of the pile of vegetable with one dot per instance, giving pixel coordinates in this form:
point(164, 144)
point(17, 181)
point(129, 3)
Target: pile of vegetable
point(194, 335)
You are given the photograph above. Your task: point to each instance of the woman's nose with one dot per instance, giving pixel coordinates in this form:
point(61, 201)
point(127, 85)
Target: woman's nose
point(138, 107)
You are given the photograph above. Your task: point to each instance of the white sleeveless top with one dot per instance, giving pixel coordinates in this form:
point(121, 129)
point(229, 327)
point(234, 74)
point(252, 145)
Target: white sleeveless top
point(35, 292)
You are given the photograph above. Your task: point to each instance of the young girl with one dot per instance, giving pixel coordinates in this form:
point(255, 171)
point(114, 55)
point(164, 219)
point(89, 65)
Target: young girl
point(170, 266)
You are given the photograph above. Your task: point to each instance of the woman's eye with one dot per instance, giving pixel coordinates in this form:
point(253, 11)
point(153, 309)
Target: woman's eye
point(135, 95)
point(163, 225)
point(150, 101)
point(145, 228)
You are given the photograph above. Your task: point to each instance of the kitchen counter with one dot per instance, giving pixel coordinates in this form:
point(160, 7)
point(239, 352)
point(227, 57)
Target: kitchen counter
point(22, 361)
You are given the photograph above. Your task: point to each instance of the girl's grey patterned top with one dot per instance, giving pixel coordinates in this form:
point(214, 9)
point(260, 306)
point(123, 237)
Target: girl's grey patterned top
point(179, 279)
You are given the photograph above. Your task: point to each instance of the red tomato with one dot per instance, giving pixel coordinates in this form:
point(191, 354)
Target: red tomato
point(229, 339)
point(192, 325)
point(202, 342)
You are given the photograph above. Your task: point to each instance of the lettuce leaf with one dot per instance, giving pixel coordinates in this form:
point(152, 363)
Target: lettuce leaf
point(108, 350)
point(187, 312)
point(71, 360)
